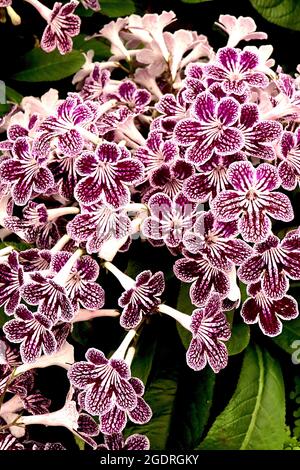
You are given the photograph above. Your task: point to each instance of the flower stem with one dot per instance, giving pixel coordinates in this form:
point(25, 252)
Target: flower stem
point(182, 318)
point(121, 351)
point(124, 280)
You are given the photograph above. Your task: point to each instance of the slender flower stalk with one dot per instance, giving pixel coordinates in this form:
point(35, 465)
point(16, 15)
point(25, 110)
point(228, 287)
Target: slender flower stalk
point(182, 318)
point(126, 281)
point(85, 315)
point(122, 349)
point(63, 358)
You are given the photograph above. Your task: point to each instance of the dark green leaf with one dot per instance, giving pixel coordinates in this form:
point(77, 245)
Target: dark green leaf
point(160, 396)
point(254, 419)
point(3, 317)
point(42, 67)
point(285, 13)
point(287, 340)
point(115, 8)
point(145, 349)
point(101, 49)
point(240, 337)
point(4, 108)
point(12, 95)
point(192, 408)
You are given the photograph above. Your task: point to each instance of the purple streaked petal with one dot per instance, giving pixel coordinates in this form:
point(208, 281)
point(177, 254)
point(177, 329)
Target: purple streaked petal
point(279, 206)
point(186, 131)
point(274, 283)
point(113, 422)
point(81, 374)
point(205, 106)
point(142, 413)
point(249, 115)
point(241, 175)
point(195, 357)
point(267, 177)
point(229, 142)
point(288, 176)
point(251, 270)
point(228, 111)
point(254, 226)
point(227, 205)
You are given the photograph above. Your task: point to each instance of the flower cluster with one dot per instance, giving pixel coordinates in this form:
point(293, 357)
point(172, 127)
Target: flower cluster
point(195, 152)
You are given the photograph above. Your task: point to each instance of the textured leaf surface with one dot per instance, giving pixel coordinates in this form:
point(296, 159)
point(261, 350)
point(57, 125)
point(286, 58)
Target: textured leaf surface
point(42, 67)
point(254, 419)
point(285, 13)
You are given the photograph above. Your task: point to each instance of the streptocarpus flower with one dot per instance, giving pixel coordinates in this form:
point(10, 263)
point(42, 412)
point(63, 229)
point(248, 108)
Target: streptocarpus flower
point(253, 199)
point(50, 293)
point(70, 125)
point(118, 442)
point(289, 167)
point(169, 219)
point(217, 240)
point(205, 278)
point(33, 331)
point(92, 4)
point(105, 383)
point(209, 328)
point(115, 420)
point(97, 224)
point(236, 70)
point(211, 129)
point(36, 225)
point(94, 85)
point(268, 312)
point(273, 262)
point(136, 99)
point(107, 174)
point(169, 179)
point(211, 179)
point(62, 25)
point(80, 285)
point(11, 281)
point(259, 135)
point(26, 171)
point(239, 29)
point(141, 299)
point(156, 152)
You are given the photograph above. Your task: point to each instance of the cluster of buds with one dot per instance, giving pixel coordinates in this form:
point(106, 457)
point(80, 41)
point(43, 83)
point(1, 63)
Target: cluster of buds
point(193, 150)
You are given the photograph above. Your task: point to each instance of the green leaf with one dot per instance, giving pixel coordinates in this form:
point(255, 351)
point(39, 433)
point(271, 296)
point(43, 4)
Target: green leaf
point(160, 396)
point(79, 442)
point(42, 67)
point(12, 95)
point(192, 408)
point(284, 13)
point(254, 419)
point(145, 350)
point(3, 317)
point(240, 337)
point(114, 8)
point(101, 49)
point(290, 334)
point(4, 108)
point(184, 305)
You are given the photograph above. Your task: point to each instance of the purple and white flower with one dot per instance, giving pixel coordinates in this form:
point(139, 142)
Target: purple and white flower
point(107, 173)
point(267, 312)
point(253, 198)
point(33, 331)
point(212, 129)
point(273, 262)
